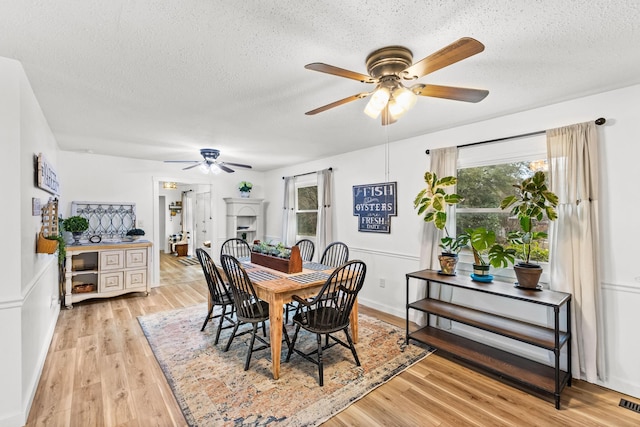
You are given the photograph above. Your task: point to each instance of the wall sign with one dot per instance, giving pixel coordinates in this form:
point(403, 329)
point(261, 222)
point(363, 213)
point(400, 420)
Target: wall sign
point(374, 205)
point(47, 177)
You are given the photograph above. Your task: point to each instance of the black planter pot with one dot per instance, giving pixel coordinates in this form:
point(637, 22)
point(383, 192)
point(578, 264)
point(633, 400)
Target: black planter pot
point(528, 275)
point(481, 270)
point(448, 263)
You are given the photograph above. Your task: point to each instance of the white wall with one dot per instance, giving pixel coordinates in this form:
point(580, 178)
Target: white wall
point(29, 294)
point(91, 177)
point(390, 256)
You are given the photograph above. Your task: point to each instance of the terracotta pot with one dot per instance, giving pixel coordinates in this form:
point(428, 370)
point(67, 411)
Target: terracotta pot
point(528, 275)
point(448, 263)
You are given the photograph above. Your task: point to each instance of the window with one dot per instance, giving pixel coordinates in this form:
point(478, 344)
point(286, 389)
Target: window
point(306, 210)
point(483, 188)
point(486, 174)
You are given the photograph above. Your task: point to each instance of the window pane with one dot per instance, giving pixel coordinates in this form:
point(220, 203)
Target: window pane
point(485, 187)
point(307, 223)
point(308, 198)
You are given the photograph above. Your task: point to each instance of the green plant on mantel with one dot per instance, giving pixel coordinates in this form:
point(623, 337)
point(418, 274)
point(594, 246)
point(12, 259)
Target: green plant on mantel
point(245, 186)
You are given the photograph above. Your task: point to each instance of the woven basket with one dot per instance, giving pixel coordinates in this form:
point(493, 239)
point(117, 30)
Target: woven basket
point(46, 246)
point(49, 228)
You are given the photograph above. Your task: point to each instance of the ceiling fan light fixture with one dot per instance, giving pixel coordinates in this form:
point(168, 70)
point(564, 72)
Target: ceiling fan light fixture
point(377, 102)
point(395, 109)
point(205, 167)
point(404, 97)
point(215, 169)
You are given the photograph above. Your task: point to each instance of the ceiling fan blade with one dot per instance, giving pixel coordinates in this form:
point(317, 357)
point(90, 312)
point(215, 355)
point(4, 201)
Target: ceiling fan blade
point(340, 72)
point(182, 161)
point(338, 103)
point(456, 51)
point(192, 166)
point(449, 92)
point(386, 117)
point(240, 165)
point(223, 167)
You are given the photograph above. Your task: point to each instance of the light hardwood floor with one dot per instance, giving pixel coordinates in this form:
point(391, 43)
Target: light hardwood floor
point(100, 371)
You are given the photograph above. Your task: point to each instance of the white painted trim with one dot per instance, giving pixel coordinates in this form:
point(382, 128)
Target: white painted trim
point(407, 257)
point(617, 287)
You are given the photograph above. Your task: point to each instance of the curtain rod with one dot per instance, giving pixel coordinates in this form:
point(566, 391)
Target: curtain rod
point(303, 174)
point(599, 121)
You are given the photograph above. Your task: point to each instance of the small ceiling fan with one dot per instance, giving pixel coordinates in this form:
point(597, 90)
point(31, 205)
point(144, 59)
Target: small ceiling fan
point(390, 65)
point(210, 162)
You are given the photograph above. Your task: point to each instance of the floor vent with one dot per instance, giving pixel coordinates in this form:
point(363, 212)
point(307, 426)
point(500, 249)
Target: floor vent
point(630, 405)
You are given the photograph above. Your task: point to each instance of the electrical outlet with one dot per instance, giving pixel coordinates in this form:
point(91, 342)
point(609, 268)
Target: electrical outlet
point(383, 282)
point(140, 223)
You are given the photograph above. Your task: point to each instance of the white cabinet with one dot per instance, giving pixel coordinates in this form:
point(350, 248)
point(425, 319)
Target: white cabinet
point(106, 270)
point(244, 218)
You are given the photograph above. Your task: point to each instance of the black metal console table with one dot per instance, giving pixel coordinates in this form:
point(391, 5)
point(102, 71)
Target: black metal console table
point(535, 375)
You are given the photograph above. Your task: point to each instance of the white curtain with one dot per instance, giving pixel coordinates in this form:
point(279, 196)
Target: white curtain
point(324, 228)
point(573, 176)
point(187, 220)
point(444, 162)
point(289, 226)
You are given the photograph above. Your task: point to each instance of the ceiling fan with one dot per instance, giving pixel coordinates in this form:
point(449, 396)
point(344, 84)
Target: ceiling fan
point(210, 162)
point(388, 66)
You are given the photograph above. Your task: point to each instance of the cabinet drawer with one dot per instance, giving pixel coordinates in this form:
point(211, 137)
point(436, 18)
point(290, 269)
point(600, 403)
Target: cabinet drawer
point(111, 281)
point(111, 260)
point(135, 279)
point(136, 258)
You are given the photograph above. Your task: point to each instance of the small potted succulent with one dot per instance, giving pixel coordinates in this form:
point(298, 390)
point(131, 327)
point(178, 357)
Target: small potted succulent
point(532, 202)
point(76, 225)
point(245, 188)
point(431, 202)
point(135, 233)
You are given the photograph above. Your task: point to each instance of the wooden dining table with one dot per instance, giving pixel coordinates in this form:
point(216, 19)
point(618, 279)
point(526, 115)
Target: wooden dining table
point(278, 288)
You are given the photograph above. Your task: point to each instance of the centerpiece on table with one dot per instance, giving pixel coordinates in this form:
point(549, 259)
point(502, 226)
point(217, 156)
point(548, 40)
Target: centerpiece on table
point(245, 188)
point(277, 257)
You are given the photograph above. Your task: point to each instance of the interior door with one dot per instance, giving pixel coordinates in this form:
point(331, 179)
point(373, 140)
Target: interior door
point(202, 220)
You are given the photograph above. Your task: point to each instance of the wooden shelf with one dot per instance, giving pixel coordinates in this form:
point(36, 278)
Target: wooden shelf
point(549, 379)
point(502, 363)
point(516, 329)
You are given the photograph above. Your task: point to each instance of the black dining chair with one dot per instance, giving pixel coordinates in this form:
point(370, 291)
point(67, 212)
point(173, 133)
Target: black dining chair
point(237, 248)
point(307, 249)
point(336, 254)
point(219, 292)
point(249, 308)
point(328, 312)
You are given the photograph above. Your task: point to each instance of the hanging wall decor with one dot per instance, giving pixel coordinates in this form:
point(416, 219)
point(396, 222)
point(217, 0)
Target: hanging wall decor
point(47, 179)
point(374, 205)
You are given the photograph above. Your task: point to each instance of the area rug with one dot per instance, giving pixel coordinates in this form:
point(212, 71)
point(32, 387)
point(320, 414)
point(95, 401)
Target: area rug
point(188, 261)
point(212, 388)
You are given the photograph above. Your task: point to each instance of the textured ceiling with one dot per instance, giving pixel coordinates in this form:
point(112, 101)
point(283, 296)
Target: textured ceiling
point(160, 79)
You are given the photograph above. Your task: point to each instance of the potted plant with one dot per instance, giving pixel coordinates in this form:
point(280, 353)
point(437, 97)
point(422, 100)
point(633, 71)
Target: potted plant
point(245, 188)
point(532, 202)
point(487, 253)
point(431, 202)
point(76, 225)
point(135, 233)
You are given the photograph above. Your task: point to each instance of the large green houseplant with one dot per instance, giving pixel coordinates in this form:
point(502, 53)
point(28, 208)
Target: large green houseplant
point(532, 202)
point(431, 203)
